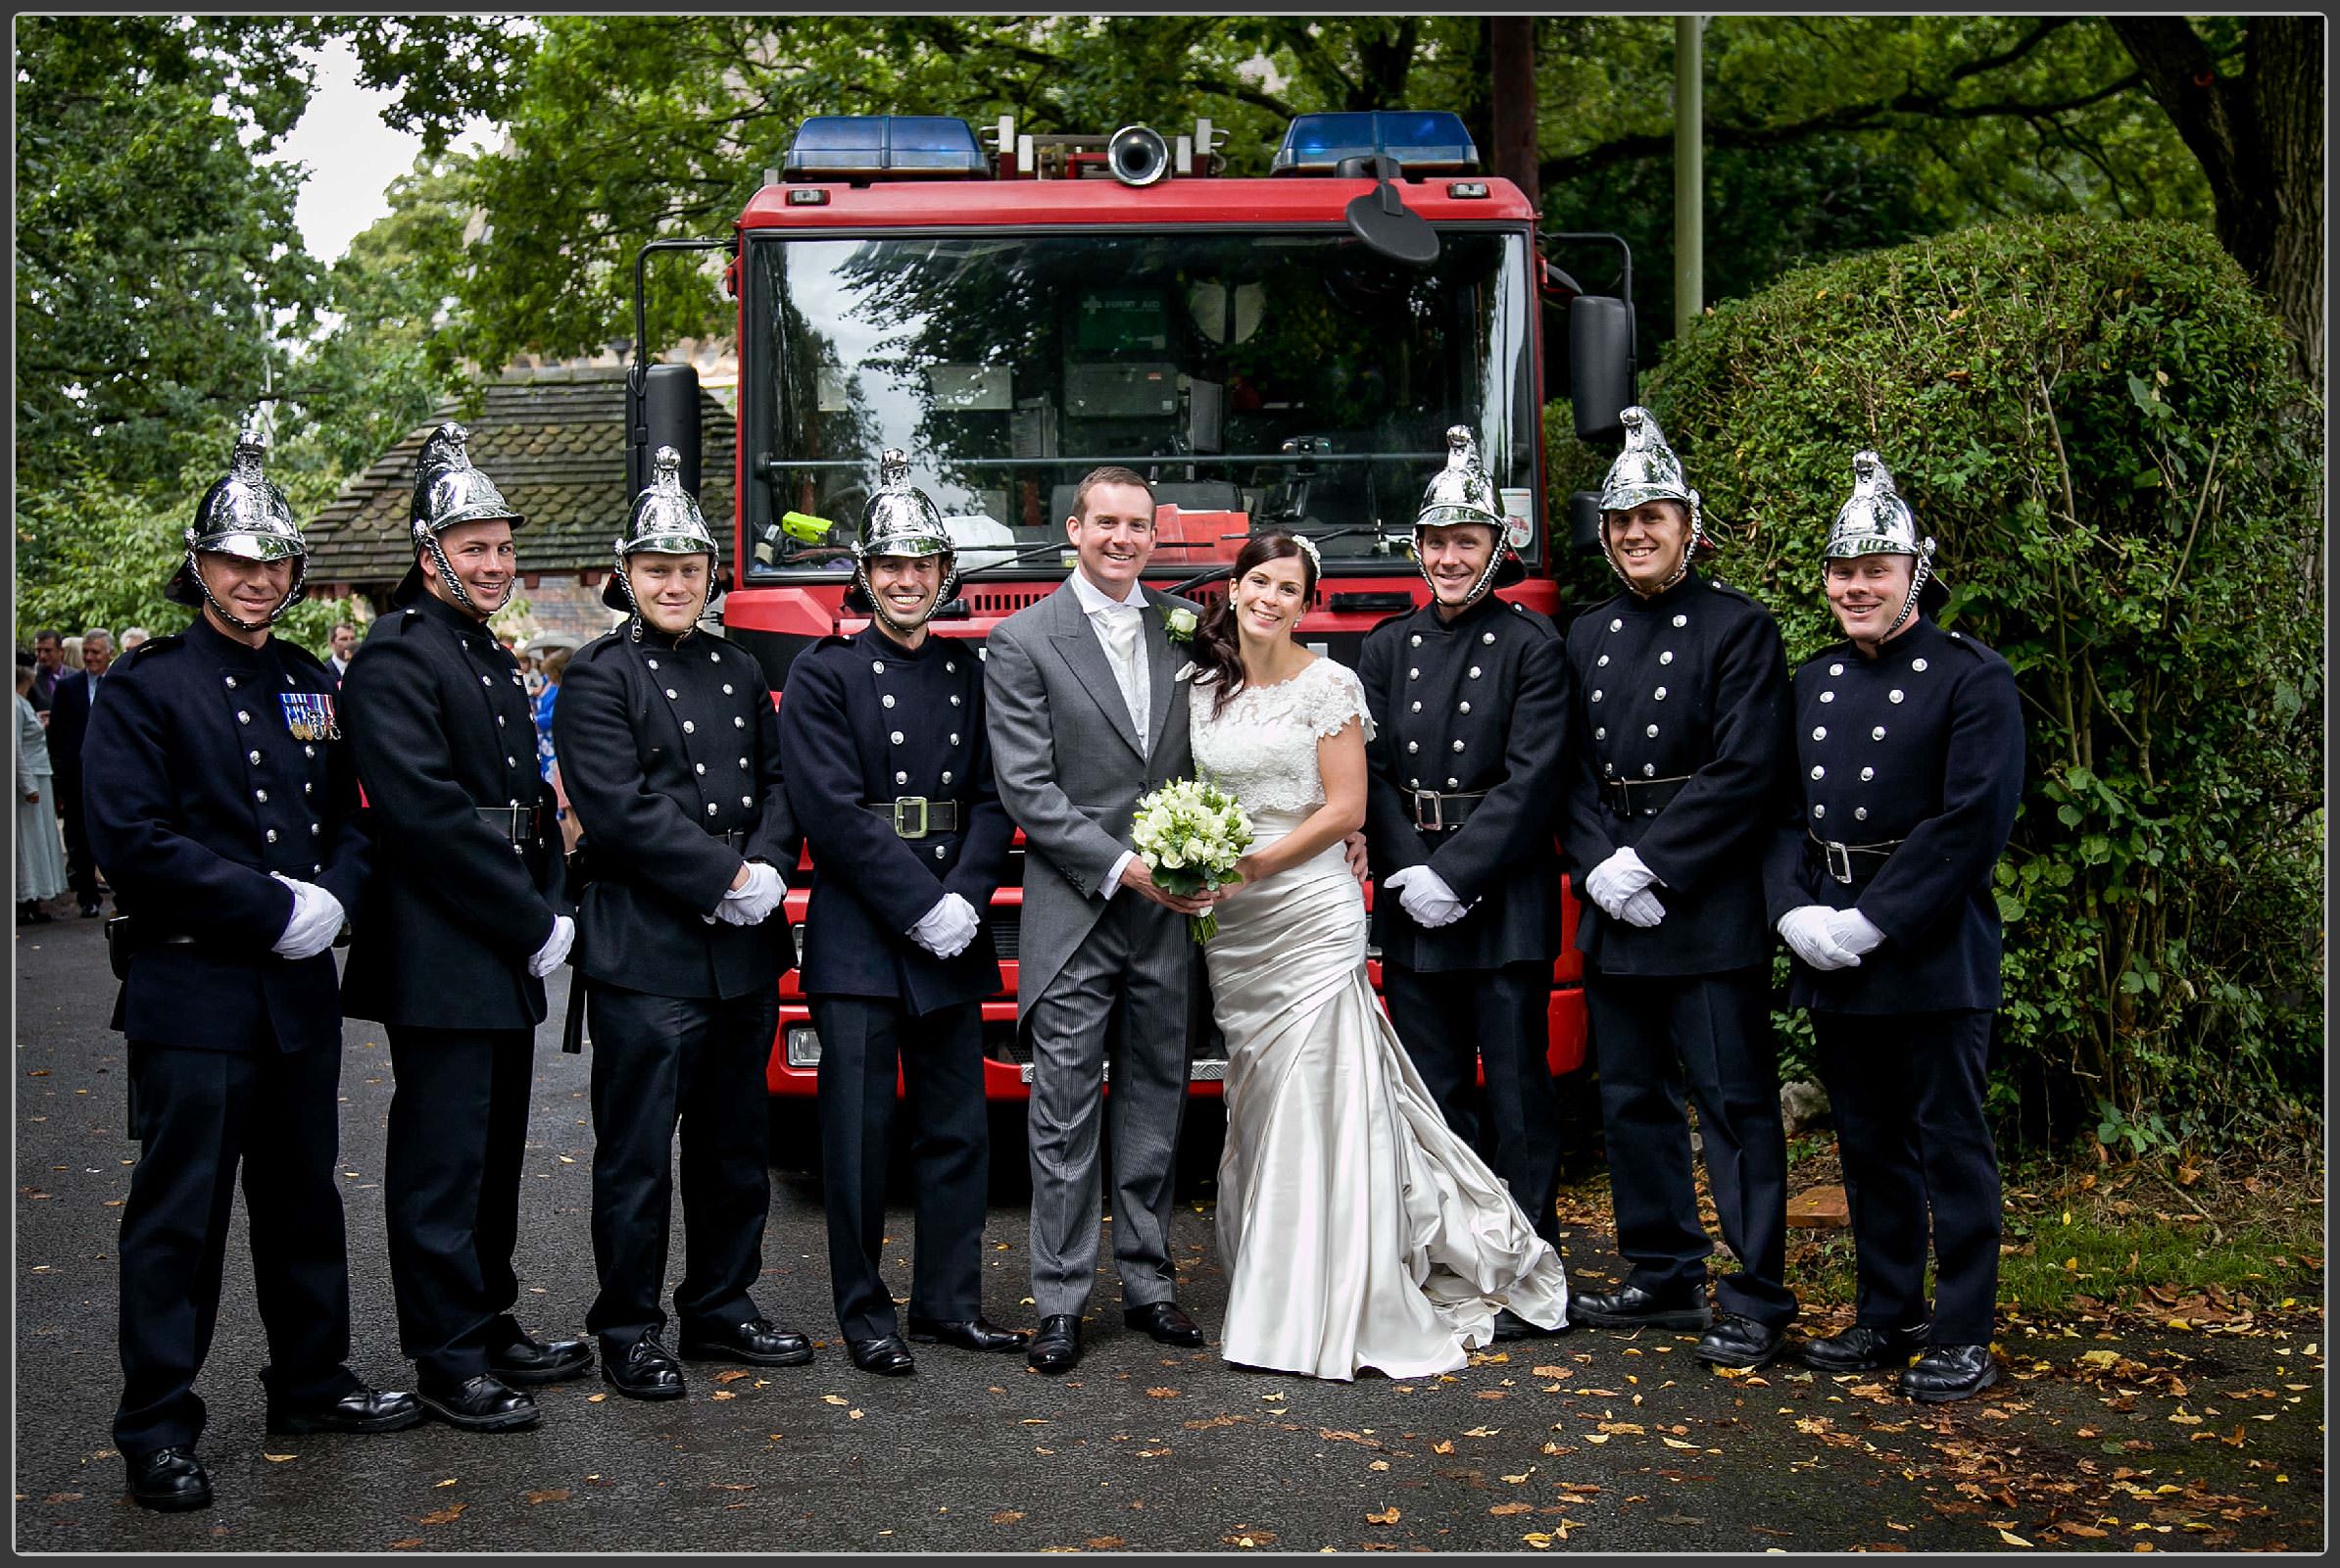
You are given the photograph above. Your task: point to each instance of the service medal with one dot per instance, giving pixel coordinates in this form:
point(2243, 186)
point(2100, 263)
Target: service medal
point(308, 715)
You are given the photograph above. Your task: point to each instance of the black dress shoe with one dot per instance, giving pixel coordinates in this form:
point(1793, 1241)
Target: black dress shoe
point(1947, 1372)
point(754, 1342)
point(968, 1333)
point(886, 1355)
point(1509, 1325)
point(1058, 1345)
point(1861, 1349)
point(362, 1409)
point(90, 911)
point(170, 1481)
point(1739, 1342)
point(478, 1404)
point(1633, 1307)
point(1166, 1322)
point(643, 1370)
point(526, 1363)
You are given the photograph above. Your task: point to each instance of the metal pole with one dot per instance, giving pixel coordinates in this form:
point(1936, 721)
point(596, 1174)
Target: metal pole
point(1689, 172)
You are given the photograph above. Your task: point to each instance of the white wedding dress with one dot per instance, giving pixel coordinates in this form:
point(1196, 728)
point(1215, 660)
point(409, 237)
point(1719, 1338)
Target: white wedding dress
point(1356, 1229)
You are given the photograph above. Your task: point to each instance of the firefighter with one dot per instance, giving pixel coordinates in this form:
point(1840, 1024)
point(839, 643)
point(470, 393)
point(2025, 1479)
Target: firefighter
point(457, 930)
point(228, 824)
point(670, 754)
point(1909, 756)
point(888, 768)
point(1469, 698)
point(1681, 687)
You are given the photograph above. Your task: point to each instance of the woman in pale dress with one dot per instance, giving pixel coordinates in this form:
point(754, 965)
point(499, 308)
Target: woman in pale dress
point(1356, 1229)
point(41, 853)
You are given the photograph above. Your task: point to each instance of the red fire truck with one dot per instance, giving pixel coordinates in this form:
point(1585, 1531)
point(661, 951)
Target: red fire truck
point(1280, 352)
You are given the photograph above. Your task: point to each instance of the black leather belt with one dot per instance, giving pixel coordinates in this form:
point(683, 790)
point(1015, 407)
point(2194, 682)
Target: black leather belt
point(1839, 855)
point(1435, 812)
point(1641, 797)
point(735, 839)
point(915, 817)
point(521, 825)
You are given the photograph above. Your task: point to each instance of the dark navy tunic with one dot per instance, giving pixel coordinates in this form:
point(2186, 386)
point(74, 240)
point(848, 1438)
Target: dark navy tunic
point(865, 719)
point(1479, 702)
point(1920, 748)
point(200, 788)
point(1689, 686)
point(670, 754)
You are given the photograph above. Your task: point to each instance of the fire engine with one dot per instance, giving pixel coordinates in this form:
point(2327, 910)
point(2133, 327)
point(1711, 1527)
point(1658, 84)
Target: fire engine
point(1280, 352)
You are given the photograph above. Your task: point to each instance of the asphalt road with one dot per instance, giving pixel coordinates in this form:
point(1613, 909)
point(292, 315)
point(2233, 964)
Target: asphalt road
point(1590, 1440)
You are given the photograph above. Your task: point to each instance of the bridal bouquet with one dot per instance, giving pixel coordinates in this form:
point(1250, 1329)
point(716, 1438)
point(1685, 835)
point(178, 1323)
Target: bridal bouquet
point(1190, 833)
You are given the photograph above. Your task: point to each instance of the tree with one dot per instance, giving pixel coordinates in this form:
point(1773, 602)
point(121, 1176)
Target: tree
point(2259, 134)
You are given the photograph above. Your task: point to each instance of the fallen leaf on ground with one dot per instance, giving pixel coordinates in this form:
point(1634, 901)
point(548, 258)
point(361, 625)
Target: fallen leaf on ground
point(278, 1458)
point(835, 1399)
point(1504, 1509)
point(732, 1376)
point(555, 1495)
point(444, 1516)
point(1161, 1394)
point(1387, 1516)
point(1105, 1542)
point(1006, 1516)
point(2012, 1539)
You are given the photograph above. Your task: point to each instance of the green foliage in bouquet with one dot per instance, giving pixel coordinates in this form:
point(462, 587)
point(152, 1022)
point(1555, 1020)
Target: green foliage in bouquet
point(1190, 833)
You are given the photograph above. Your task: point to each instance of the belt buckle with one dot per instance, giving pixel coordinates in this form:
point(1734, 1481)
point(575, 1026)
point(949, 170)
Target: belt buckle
point(902, 826)
point(1437, 812)
point(1839, 858)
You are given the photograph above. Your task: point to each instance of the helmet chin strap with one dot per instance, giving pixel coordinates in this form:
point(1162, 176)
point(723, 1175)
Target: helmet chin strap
point(1681, 568)
point(447, 577)
point(1909, 606)
point(292, 596)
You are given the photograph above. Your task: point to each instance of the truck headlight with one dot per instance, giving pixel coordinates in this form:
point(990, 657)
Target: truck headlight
point(804, 1046)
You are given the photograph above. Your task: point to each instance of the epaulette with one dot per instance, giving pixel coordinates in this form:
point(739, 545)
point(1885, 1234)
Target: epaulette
point(148, 649)
point(1542, 625)
point(1740, 593)
point(835, 639)
point(1983, 652)
point(595, 648)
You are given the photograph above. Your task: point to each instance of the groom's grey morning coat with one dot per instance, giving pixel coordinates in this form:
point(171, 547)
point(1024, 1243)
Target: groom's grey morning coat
point(1071, 766)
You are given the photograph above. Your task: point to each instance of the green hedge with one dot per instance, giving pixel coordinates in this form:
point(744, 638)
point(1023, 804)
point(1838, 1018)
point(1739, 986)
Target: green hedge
point(2096, 422)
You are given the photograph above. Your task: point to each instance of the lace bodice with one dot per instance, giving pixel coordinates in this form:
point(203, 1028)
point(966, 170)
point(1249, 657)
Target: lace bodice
point(1263, 747)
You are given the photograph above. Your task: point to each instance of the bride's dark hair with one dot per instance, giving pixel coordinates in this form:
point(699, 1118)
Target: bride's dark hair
point(1218, 653)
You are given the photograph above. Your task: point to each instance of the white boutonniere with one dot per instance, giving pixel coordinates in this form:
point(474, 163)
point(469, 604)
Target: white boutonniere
point(1178, 623)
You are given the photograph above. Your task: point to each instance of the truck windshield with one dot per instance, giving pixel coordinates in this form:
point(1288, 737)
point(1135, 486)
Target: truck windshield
point(1259, 379)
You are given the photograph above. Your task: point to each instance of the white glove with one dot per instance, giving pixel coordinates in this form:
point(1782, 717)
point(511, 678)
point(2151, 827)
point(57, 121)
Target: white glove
point(554, 952)
point(315, 922)
point(1806, 930)
point(1854, 932)
point(1617, 879)
point(750, 905)
point(1425, 897)
point(946, 929)
point(1642, 909)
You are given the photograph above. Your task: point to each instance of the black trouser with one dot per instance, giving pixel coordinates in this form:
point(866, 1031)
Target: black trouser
point(81, 865)
point(200, 1114)
point(1906, 1090)
point(1452, 1021)
point(459, 1118)
point(1652, 1037)
point(862, 1040)
point(658, 1062)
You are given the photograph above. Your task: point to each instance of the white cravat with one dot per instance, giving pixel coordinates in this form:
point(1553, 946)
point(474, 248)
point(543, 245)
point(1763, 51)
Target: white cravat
point(1120, 627)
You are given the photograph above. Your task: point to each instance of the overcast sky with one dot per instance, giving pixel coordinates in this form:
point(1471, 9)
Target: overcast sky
point(352, 156)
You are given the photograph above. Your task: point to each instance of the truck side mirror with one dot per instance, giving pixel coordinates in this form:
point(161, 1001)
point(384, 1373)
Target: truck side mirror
point(661, 410)
point(1584, 522)
point(1600, 365)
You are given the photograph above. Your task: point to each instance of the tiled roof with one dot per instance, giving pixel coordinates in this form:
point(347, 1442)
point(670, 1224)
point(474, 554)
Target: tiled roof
point(554, 441)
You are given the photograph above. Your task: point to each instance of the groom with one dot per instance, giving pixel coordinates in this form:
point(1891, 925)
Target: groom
point(1085, 718)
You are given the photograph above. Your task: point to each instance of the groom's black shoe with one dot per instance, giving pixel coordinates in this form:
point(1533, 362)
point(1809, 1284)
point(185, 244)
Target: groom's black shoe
point(1165, 1321)
point(1740, 1342)
point(977, 1332)
point(1509, 1325)
point(1632, 1307)
point(1058, 1345)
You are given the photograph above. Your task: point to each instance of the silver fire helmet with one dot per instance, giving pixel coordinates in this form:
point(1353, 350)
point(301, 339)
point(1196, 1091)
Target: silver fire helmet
point(901, 520)
point(243, 515)
point(1462, 493)
point(1647, 470)
point(1875, 520)
point(449, 490)
point(665, 521)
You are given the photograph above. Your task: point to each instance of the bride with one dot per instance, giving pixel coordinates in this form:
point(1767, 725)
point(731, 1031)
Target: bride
point(1358, 1230)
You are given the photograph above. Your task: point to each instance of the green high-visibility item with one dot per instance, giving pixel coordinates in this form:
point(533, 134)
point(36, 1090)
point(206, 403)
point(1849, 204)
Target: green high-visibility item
point(802, 526)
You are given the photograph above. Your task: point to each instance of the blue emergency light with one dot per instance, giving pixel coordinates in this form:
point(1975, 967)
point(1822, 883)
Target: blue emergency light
point(1423, 140)
point(865, 146)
